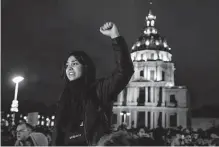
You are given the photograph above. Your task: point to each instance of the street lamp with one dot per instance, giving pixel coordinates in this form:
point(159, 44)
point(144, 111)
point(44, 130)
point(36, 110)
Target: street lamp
point(125, 114)
point(14, 105)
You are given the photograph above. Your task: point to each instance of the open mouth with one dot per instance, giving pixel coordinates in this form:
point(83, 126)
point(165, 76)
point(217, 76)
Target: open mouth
point(71, 73)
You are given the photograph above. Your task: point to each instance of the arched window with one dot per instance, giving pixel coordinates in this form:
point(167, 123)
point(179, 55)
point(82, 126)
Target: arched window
point(173, 120)
point(142, 73)
point(173, 100)
point(152, 56)
point(163, 76)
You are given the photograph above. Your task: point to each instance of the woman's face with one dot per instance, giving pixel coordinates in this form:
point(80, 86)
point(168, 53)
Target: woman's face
point(74, 69)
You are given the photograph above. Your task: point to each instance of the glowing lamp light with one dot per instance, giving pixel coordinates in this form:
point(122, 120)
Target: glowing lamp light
point(148, 22)
point(53, 117)
point(6, 123)
point(38, 122)
point(14, 109)
point(165, 44)
point(47, 119)
point(21, 116)
point(157, 43)
point(42, 122)
point(42, 117)
point(128, 114)
point(25, 117)
point(17, 79)
point(47, 124)
point(133, 47)
point(121, 113)
point(152, 23)
point(8, 115)
point(148, 31)
point(138, 44)
point(147, 42)
point(154, 31)
point(38, 116)
point(52, 124)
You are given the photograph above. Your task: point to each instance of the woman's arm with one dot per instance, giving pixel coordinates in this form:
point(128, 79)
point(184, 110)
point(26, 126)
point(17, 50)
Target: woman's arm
point(108, 88)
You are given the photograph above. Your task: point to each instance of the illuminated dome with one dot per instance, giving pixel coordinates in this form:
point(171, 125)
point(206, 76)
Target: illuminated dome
point(150, 38)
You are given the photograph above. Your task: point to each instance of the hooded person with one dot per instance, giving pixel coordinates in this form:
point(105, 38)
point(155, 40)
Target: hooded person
point(36, 139)
point(85, 107)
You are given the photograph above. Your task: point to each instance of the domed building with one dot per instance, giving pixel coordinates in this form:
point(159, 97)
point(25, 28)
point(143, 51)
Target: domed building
point(151, 98)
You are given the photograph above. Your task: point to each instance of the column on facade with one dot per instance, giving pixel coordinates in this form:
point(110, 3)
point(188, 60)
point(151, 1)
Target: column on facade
point(119, 117)
point(152, 119)
point(158, 73)
point(145, 72)
point(135, 73)
point(148, 73)
point(146, 96)
point(167, 120)
point(163, 119)
point(135, 95)
point(129, 95)
point(163, 96)
point(152, 94)
point(135, 117)
point(156, 115)
point(146, 117)
point(121, 97)
point(156, 94)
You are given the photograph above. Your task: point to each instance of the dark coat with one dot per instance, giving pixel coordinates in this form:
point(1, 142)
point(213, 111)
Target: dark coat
point(101, 95)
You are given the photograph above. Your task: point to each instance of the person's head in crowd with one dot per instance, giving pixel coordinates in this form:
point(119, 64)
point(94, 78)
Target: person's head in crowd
point(23, 130)
point(141, 132)
point(120, 138)
point(215, 142)
point(206, 140)
point(36, 139)
point(177, 134)
point(188, 139)
point(114, 128)
point(179, 128)
point(186, 131)
point(151, 134)
point(195, 136)
point(214, 135)
point(122, 127)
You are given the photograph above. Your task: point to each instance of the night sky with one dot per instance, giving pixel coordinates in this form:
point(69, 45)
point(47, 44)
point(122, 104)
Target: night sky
point(38, 34)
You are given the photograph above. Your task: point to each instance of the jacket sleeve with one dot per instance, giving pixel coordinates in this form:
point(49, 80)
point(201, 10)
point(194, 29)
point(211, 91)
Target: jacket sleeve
point(108, 88)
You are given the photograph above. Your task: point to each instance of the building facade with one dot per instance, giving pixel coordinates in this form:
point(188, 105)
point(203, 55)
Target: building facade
point(151, 98)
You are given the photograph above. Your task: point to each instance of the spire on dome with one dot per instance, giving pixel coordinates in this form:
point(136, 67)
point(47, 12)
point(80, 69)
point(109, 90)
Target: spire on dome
point(150, 39)
point(150, 18)
point(150, 6)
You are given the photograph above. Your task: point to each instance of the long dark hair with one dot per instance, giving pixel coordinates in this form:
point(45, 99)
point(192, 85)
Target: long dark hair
point(74, 94)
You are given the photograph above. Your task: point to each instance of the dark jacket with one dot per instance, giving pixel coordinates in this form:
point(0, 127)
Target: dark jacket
point(102, 93)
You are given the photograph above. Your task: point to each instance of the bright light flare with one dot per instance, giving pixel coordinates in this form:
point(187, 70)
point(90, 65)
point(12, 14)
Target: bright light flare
point(18, 79)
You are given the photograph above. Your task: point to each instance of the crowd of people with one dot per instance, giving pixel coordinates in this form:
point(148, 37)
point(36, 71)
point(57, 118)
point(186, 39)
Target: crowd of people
point(159, 136)
point(26, 135)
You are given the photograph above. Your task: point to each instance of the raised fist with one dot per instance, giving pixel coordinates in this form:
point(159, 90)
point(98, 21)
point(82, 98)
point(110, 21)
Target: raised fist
point(109, 29)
